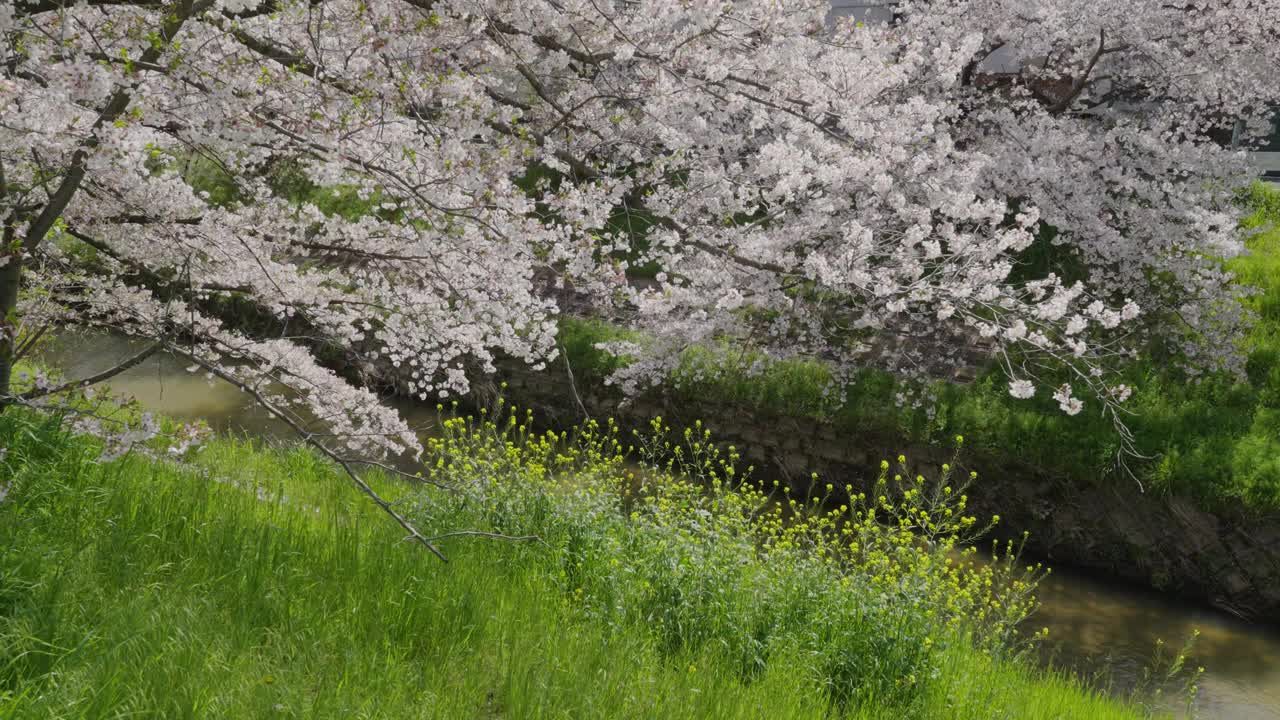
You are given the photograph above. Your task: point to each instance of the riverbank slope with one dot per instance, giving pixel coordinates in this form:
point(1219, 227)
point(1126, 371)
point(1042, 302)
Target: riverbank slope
point(256, 583)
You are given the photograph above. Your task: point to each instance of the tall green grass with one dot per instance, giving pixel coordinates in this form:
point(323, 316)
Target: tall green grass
point(255, 583)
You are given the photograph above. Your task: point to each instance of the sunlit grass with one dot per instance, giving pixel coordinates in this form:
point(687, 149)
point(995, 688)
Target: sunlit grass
point(258, 584)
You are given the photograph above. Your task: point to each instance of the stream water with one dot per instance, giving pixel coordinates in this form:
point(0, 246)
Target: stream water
point(1097, 627)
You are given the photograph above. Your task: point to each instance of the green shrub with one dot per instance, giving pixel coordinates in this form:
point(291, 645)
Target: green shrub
point(869, 585)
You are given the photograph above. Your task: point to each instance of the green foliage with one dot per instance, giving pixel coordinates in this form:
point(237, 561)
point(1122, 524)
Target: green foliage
point(288, 180)
point(796, 387)
point(578, 338)
point(870, 585)
point(206, 176)
point(259, 584)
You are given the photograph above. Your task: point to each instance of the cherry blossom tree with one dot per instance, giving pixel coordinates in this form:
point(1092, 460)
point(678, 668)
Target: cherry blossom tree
point(800, 186)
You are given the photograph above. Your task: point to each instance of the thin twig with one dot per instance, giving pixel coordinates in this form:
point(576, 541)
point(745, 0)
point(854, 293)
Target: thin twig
point(573, 384)
point(482, 533)
point(391, 469)
point(91, 380)
point(1080, 82)
point(29, 343)
point(324, 449)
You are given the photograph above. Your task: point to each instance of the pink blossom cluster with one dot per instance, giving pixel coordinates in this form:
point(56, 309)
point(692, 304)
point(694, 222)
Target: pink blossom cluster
point(802, 187)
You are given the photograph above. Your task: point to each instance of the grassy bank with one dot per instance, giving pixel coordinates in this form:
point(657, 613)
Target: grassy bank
point(256, 583)
point(1216, 440)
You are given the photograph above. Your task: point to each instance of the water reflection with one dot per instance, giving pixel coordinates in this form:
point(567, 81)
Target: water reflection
point(1096, 627)
point(163, 385)
point(1110, 629)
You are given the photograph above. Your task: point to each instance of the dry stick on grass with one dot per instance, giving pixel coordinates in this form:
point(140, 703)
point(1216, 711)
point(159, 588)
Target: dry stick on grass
point(345, 464)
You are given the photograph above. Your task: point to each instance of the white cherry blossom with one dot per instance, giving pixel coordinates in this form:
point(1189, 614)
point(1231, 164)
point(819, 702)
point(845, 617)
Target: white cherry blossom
point(804, 188)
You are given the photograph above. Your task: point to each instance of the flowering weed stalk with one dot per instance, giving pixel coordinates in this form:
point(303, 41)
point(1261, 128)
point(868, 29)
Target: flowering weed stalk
point(871, 585)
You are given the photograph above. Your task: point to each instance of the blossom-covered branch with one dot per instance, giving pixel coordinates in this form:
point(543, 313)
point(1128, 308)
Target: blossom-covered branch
point(397, 179)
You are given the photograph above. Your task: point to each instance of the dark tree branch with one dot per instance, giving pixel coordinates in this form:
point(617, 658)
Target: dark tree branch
point(28, 8)
point(103, 376)
point(30, 342)
point(115, 107)
point(1082, 80)
point(966, 74)
point(288, 59)
point(150, 220)
point(309, 439)
point(546, 42)
point(392, 470)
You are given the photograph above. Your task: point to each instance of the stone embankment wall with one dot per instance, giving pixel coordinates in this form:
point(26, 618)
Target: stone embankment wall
point(1230, 561)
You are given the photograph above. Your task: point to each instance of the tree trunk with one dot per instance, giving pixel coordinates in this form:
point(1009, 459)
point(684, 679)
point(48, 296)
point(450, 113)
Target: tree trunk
point(10, 276)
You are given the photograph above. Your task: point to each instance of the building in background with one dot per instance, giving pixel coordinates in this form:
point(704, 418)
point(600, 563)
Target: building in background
point(1267, 157)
